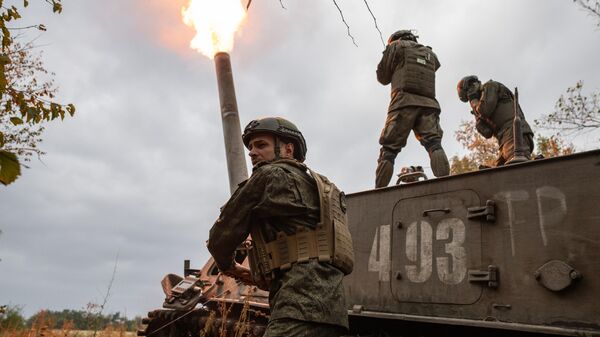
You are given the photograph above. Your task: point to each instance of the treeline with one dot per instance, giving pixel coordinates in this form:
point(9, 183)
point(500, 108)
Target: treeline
point(12, 318)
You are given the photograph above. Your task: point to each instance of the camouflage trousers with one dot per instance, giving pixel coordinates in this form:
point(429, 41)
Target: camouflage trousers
point(288, 327)
point(423, 121)
point(507, 149)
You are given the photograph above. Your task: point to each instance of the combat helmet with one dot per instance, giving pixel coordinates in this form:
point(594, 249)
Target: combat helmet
point(280, 128)
point(464, 85)
point(404, 34)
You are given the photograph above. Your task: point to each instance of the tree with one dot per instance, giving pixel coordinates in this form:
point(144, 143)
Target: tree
point(482, 151)
point(590, 6)
point(552, 146)
point(11, 318)
point(574, 113)
point(27, 93)
point(81, 320)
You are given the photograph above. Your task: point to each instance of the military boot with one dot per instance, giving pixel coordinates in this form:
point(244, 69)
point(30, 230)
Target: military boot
point(439, 163)
point(383, 174)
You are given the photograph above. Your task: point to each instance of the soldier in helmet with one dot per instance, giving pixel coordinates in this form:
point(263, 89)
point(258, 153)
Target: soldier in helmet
point(410, 68)
point(492, 104)
point(289, 210)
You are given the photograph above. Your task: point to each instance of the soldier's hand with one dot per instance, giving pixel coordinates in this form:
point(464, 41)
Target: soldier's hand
point(474, 105)
point(241, 273)
point(484, 128)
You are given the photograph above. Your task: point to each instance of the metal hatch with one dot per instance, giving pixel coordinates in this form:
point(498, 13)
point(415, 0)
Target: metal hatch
point(434, 246)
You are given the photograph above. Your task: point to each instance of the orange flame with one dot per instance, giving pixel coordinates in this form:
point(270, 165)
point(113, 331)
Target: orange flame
point(215, 21)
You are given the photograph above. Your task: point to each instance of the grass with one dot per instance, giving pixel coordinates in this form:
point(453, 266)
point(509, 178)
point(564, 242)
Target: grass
point(41, 328)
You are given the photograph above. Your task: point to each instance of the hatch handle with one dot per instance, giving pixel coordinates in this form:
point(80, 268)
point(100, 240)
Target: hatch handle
point(486, 213)
point(433, 210)
point(488, 277)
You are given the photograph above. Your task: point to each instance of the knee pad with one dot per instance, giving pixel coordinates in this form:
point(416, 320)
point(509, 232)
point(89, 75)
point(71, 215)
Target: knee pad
point(387, 155)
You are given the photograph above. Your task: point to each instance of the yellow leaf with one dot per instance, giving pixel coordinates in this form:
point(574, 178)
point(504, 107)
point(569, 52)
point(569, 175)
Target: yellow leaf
point(10, 168)
point(71, 109)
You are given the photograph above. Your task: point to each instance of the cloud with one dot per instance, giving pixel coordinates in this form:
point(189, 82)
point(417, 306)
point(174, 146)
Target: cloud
point(140, 171)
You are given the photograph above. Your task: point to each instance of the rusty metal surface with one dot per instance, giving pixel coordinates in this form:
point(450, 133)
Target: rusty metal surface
point(228, 289)
point(227, 308)
point(215, 319)
point(415, 247)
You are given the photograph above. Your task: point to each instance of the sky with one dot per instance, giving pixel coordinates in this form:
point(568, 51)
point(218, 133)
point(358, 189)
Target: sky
point(135, 180)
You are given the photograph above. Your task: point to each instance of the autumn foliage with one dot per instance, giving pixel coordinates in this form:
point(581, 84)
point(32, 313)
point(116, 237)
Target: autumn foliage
point(65, 323)
point(27, 93)
point(484, 152)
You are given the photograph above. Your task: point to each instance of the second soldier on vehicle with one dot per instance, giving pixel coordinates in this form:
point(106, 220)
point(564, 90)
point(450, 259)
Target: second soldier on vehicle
point(410, 68)
point(492, 104)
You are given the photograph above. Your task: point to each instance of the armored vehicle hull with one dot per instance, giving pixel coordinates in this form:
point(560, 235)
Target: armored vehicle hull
point(509, 248)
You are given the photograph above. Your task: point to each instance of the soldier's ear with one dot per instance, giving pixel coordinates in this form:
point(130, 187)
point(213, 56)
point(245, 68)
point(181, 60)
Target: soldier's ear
point(287, 150)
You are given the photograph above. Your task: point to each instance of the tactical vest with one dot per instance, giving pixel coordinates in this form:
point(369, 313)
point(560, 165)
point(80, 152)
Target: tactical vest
point(416, 74)
point(329, 242)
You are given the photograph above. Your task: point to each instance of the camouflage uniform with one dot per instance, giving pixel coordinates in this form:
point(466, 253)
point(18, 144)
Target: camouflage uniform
point(308, 299)
point(494, 116)
point(407, 110)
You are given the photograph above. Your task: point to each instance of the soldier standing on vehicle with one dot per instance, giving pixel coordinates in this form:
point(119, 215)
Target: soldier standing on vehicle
point(410, 68)
point(492, 104)
point(290, 211)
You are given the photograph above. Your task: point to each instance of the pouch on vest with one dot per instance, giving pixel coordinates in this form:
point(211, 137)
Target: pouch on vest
point(416, 74)
point(329, 242)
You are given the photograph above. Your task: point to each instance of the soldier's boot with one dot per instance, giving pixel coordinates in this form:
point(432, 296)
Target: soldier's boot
point(384, 172)
point(439, 163)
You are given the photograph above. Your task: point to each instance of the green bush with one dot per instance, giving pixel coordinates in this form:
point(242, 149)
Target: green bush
point(11, 318)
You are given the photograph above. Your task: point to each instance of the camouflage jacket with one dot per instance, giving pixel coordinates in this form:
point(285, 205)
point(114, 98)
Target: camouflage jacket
point(282, 196)
point(391, 62)
point(496, 109)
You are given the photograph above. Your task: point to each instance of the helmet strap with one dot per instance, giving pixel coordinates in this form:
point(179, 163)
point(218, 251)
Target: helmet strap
point(277, 148)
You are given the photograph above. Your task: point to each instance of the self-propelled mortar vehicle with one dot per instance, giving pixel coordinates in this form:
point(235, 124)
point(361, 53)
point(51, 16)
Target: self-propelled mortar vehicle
point(507, 251)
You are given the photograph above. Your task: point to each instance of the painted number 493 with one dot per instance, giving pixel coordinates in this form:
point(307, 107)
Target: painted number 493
point(451, 264)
